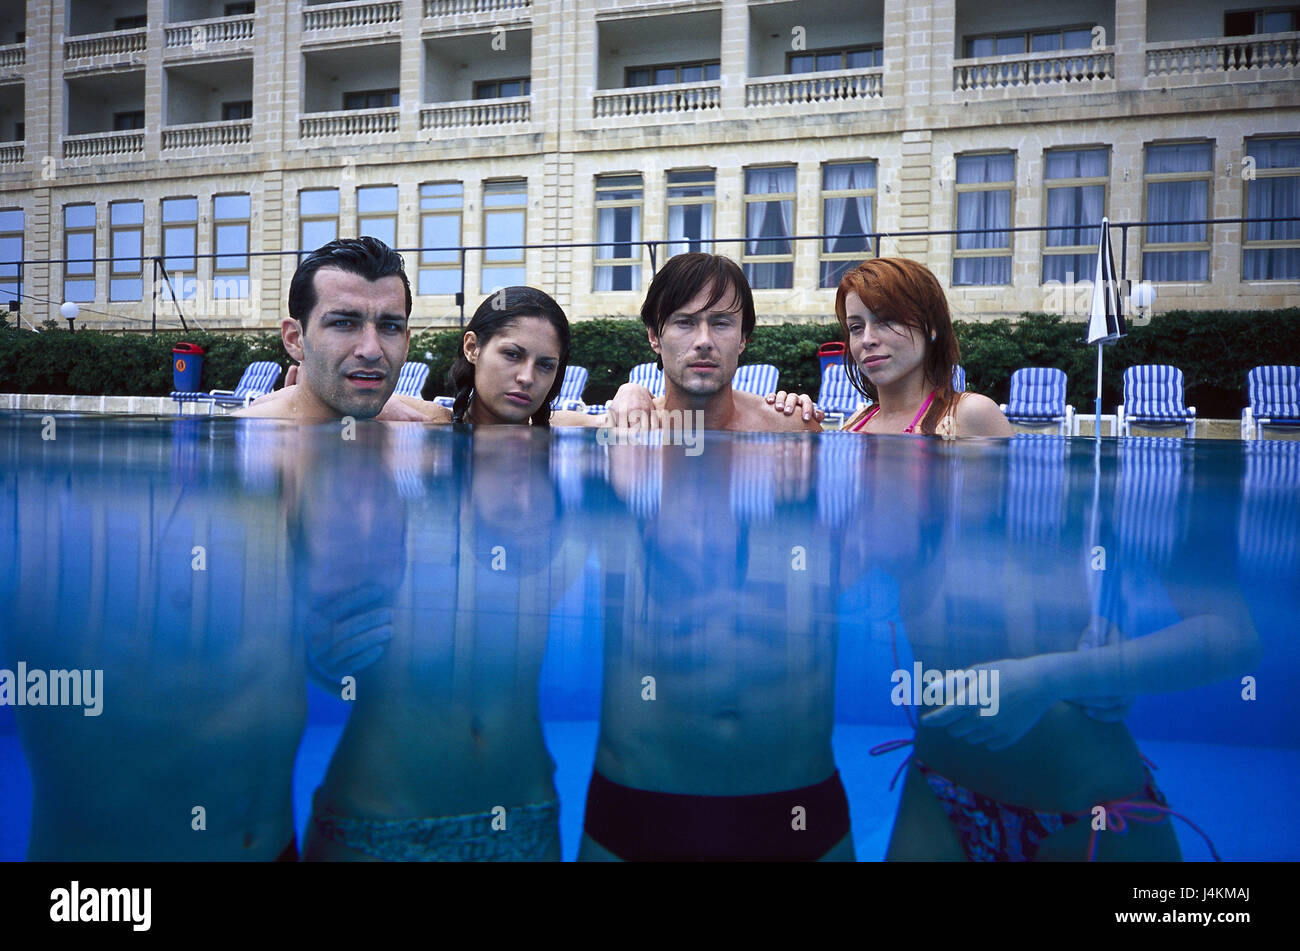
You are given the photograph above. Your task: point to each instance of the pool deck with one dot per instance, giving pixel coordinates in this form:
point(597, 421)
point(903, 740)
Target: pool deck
point(165, 406)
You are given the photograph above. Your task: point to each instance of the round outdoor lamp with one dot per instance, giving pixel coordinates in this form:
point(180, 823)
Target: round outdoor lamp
point(69, 311)
point(1142, 297)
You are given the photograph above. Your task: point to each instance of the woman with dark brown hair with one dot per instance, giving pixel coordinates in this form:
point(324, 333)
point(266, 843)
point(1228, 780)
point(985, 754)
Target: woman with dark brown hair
point(900, 351)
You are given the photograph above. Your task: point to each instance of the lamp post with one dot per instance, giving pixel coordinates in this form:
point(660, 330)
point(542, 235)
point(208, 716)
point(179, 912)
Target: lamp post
point(69, 311)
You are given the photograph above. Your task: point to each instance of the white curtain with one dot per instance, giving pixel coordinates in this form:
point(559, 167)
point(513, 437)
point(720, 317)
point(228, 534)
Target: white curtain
point(769, 220)
point(1273, 198)
point(989, 210)
point(1070, 208)
point(605, 232)
point(1176, 201)
point(681, 236)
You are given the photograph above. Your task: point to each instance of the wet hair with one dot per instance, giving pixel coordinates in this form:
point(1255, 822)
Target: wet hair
point(495, 315)
point(366, 256)
point(684, 276)
point(905, 292)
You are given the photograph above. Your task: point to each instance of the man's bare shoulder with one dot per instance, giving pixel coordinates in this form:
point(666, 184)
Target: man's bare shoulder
point(434, 412)
point(756, 415)
point(279, 404)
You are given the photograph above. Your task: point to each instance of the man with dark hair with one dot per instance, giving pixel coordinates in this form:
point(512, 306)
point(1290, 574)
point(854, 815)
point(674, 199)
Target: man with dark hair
point(349, 307)
point(699, 315)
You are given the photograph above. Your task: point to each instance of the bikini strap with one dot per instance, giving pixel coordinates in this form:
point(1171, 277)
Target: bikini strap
point(863, 421)
point(924, 406)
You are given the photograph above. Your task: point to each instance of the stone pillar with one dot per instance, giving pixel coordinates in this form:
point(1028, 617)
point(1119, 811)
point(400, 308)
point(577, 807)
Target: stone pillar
point(734, 56)
point(1129, 43)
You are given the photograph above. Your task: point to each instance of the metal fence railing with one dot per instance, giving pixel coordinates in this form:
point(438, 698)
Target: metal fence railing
point(652, 248)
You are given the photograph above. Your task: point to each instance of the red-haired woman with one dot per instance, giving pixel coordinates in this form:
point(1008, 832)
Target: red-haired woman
point(901, 351)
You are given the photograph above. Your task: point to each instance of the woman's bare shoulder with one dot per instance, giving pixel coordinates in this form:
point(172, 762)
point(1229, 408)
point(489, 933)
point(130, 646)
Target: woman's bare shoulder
point(978, 415)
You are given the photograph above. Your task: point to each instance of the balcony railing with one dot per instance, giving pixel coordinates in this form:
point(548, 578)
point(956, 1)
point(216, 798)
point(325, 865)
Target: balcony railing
point(839, 86)
point(1223, 54)
point(203, 135)
point(99, 144)
point(348, 122)
point(200, 34)
point(11, 153)
point(442, 8)
point(116, 43)
point(15, 54)
point(1034, 69)
point(476, 113)
point(445, 8)
point(344, 16)
point(657, 100)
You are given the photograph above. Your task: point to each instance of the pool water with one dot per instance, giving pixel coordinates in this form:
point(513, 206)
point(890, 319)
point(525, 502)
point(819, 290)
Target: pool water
point(422, 623)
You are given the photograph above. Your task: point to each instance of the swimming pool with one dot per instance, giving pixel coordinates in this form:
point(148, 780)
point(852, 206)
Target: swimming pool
point(515, 607)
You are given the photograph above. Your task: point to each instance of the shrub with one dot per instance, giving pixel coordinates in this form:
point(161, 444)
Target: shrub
point(1214, 349)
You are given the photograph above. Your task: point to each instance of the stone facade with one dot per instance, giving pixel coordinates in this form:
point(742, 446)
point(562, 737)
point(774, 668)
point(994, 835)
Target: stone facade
point(1141, 82)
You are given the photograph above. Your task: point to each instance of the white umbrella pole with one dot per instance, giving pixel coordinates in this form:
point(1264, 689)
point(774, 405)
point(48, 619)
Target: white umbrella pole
point(1097, 424)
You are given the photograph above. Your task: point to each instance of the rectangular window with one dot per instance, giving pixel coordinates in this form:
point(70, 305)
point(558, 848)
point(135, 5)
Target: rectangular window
point(848, 212)
point(20, 131)
point(851, 57)
point(984, 186)
point(1034, 41)
point(79, 251)
point(180, 235)
point(618, 219)
point(370, 99)
point(696, 72)
point(377, 213)
point(769, 224)
point(1177, 189)
point(11, 255)
point(230, 221)
point(1075, 181)
point(502, 88)
point(239, 9)
point(441, 204)
point(127, 121)
point(504, 207)
point(1272, 248)
point(1251, 22)
point(126, 250)
point(242, 109)
point(318, 217)
point(690, 211)
point(138, 22)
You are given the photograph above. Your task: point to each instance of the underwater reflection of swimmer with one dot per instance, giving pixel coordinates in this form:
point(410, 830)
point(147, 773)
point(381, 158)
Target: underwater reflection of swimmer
point(718, 700)
point(171, 592)
point(1019, 778)
point(443, 757)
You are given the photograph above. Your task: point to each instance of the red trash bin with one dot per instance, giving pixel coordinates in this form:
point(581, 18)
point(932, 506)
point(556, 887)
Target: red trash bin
point(829, 353)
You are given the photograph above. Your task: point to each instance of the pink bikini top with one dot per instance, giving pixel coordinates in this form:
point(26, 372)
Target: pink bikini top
point(910, 429)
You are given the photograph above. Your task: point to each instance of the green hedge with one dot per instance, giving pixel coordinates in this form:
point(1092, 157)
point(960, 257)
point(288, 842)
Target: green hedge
point(1214, 349)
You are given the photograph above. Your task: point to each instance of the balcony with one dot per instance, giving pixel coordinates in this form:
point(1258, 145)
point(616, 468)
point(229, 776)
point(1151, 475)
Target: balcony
point(850, 87)
point(12, 153)
point(207, 135)
point(327, 21)
point(1224, 56)
point(99, 145)
point(105, 49)
point(670, 100)
point(477, 114)
point(209, 37)
point(13, 56)
point(444, 8)
point(1060, 71)
point(348, 123)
